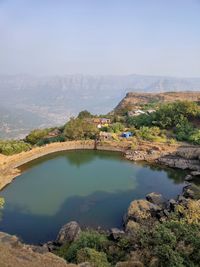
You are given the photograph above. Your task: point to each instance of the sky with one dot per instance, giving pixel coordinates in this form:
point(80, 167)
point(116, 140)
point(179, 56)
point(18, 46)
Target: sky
point(100, 37)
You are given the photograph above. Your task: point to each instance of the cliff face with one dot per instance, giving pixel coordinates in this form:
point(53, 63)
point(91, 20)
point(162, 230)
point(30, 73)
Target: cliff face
point(134, 100)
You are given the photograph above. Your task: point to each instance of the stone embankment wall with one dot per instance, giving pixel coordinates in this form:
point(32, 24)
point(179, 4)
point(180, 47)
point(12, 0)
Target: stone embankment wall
point(9, 164)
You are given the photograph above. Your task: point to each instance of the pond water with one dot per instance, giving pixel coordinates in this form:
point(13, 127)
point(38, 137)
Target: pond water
point(94, 188)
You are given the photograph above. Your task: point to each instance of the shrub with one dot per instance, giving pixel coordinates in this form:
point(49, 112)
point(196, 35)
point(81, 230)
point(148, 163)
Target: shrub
point(116, 127)
point(195, 137)
point(36, 135)
point(89, 239)
point(50, 140)
point(170, 114)
point(183, 129)
point(84, 114)
point(97, 259)
point(174, 242)
point(141, 120)
point(11, 147)
point(151, 134)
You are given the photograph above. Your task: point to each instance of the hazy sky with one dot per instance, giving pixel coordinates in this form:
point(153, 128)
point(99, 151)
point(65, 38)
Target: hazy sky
point(160, 37)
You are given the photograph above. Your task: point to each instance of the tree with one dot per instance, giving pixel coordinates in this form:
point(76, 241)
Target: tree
point(10, 147)
point(36, 135)
point(84, 114)
point(80, 129)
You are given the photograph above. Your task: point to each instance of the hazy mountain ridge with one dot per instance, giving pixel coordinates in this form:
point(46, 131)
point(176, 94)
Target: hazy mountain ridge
point(55, 98)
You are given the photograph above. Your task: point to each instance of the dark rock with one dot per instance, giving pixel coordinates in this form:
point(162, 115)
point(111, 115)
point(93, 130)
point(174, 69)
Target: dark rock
point(172, 204)
point(156, 199)
point(68, 233)
point(40, 249)
point(166, 213)
point(181, 163)
point(195, 173)
point(116, 233)
point(188, 177)
point(51, 245)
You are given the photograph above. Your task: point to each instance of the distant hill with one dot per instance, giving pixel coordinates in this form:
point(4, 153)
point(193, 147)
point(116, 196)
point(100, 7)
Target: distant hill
point(133, 100)
point(51, 100)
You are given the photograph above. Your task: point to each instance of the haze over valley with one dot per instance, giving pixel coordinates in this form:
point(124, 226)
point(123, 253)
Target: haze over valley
point(28, 102)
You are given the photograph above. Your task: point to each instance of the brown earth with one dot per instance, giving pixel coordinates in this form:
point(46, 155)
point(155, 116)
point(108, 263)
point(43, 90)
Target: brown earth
point(13, 253)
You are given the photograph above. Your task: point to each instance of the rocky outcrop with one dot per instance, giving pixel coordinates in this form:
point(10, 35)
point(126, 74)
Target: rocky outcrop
point(181, 163)
point(135, 100)
point(68, 233)
point(140, 212)
point(13, 253)
point(156, 199)
point(174, 156)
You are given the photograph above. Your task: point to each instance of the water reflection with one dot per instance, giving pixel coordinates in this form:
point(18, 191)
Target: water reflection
point(92, 187)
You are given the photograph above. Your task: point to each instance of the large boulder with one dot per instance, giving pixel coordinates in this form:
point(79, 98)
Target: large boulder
point(68, 233)
point(141, 211)
point(156, 199)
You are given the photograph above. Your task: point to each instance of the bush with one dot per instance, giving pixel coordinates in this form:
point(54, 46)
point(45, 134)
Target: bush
point(183, 129)
point(84, 114)
point(50, 140)
point(141, 120)
point(87, 239)
point(116, 127)
point(195, 137)
point(36, 135)
point(97, 259)
point(151, 134)
point(174, 242)
point(171, 114)
point(11, 147)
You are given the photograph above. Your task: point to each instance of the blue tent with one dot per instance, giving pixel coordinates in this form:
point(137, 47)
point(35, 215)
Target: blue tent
point(127, 134)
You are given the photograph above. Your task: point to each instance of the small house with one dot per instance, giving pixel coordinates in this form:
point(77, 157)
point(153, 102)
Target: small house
point(126, 134)
point(53, 133)
point(105, 121)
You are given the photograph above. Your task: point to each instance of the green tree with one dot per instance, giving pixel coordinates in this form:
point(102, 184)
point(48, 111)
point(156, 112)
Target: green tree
point(36, 135)
point(10, 147)
point(80, 129)
point(96, 258)
point(116, 127)
point(84, 114)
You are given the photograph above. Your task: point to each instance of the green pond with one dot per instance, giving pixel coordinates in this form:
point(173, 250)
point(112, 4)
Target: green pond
point(92, 187)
